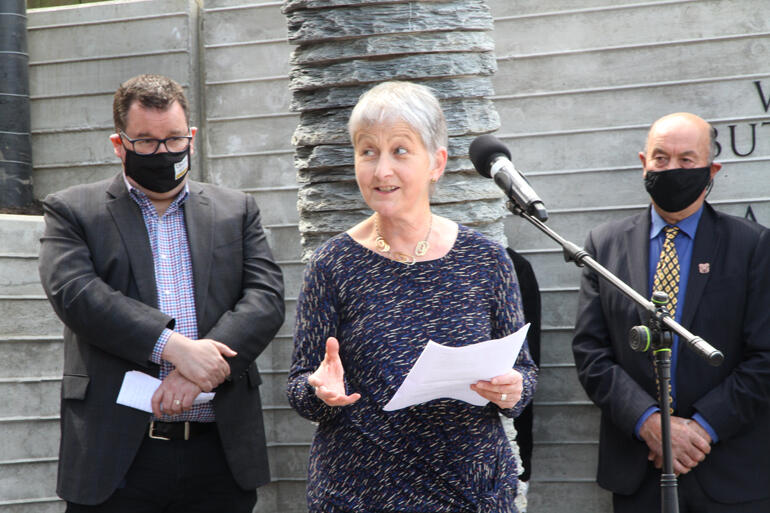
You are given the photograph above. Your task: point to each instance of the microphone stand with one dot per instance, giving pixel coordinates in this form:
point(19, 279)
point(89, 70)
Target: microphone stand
point(657, 334)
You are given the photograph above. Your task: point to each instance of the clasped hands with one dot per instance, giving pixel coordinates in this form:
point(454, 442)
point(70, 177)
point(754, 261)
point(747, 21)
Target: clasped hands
point(200, 367)
point(690, 443)
point(329, 384)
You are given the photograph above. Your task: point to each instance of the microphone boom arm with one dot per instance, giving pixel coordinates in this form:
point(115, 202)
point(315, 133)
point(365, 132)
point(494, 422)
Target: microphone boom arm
point(573, 253)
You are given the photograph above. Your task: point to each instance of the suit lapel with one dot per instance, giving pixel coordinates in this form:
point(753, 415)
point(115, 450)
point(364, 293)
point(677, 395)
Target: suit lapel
point(704, 250)
point(637, 239)
point(199, 218)
point(129, 223)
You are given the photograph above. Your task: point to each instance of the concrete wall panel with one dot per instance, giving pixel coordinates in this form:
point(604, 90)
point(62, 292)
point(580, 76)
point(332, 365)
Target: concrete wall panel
point(271, 96)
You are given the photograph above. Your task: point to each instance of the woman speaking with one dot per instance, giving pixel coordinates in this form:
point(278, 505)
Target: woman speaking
point(372, 297)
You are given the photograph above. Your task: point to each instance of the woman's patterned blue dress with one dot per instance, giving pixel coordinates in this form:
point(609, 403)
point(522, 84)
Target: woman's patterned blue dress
point(440, 456)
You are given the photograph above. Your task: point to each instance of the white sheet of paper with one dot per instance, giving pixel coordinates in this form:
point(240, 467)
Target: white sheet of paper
point(137, 390)
point(448, 372)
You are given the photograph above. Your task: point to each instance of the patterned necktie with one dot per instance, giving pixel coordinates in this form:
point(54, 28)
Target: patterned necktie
point(667, 272)
point(667, 280)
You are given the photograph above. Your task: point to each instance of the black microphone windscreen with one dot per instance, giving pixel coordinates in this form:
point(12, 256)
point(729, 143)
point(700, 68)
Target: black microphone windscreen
point(483, 149)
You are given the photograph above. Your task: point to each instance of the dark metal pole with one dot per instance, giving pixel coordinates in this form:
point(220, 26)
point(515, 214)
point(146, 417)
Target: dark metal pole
point(15, 145)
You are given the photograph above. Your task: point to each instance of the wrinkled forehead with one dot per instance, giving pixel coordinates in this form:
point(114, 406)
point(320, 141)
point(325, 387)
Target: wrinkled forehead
point(678, 136)
point(386, 128)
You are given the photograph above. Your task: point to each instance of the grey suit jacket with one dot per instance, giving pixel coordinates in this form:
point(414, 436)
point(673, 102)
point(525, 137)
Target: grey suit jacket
point(96, 268)
point(727, 303)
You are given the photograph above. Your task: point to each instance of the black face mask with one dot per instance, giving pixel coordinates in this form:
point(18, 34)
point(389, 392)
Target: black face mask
point(676, 189)
point(159, 172)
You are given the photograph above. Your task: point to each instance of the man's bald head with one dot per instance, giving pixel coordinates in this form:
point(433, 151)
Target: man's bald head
point(680, 121)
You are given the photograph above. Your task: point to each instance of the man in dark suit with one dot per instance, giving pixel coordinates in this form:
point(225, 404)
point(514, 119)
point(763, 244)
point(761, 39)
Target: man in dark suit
point(153, 272)
point(721, 418)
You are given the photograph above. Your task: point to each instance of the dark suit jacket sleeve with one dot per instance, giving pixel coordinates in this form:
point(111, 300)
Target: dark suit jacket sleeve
point(103, 316)
point(732, 406)
point(249, 326)
point(605, 380)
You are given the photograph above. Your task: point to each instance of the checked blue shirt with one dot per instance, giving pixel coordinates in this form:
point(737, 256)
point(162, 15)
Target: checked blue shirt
point(174, 283)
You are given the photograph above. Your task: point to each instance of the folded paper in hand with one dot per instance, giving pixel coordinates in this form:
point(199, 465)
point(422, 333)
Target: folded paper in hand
point(138, 388)
point(448, 372)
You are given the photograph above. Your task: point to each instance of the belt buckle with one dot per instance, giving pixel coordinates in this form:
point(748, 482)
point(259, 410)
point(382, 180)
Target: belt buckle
point(158, 437)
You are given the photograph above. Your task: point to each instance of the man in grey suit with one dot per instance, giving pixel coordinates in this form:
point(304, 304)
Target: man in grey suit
point(153, 272)
point(719, 428)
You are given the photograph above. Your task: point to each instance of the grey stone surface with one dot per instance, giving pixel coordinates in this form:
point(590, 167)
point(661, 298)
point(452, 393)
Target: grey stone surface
point(391, 44)
point(277, 206)
point(632, 66)
point(284, 241)
point(287, 426)
point(27, 316)
point(22, 480)
point(50, 505)
point(29, 438)
point(34, 356)
point(559, 307)
point(342, 96)
point(288, 460)
point(620, 27)
point(559, 422)
point(560, 382)
point(273, 388)
point(28, 397)
point(20, 234)
point(18, 275)
point(292, 277)
point(278, 353)
point(227, 25)
point(241, 62)
point(568, 495)
point(566, 460)
point(328, 23)
point(412, 67)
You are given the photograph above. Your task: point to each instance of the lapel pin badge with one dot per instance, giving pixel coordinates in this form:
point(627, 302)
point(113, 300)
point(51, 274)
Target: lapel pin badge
point(704, 268)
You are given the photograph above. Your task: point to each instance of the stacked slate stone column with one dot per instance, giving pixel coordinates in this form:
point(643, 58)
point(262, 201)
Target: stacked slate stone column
point(347, 46)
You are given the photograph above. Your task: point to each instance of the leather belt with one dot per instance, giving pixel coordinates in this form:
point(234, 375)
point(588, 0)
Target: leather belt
point(178, 430)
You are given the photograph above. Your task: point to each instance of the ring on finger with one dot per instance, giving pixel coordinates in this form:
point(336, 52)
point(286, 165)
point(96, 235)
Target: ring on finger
point(503, 397)
point(177, 402)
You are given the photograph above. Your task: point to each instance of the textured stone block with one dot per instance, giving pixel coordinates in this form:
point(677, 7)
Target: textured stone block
point(29, 398)
point(23, 480)
point(337, 97)
point(30, 357)
point(27, 316)
point(318, 25)
point(411, 67)
point(33, 438)
point(559, 384)
point(391, 44)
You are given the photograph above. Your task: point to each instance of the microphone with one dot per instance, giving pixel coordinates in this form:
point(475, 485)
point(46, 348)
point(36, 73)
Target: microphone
point(492, 159)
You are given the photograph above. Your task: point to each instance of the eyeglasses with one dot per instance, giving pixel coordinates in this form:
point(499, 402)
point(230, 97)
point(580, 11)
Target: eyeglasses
point(142, 146)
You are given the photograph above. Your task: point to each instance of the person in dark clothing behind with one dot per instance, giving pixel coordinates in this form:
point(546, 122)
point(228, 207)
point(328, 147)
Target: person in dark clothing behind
point(530, 299)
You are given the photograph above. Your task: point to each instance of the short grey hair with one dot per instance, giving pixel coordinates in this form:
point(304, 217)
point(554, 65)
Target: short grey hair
point(411, 103)
point(712, 143)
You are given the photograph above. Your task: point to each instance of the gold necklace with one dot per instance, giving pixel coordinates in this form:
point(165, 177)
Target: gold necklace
point(420, 249)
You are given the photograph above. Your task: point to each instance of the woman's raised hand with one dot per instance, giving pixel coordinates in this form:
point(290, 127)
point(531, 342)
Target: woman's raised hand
point(328, 378)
